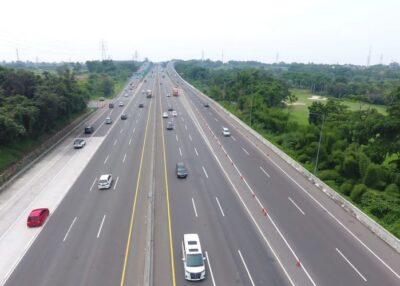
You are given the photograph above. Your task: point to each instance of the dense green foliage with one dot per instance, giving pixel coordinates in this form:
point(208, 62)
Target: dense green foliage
point(359, 151)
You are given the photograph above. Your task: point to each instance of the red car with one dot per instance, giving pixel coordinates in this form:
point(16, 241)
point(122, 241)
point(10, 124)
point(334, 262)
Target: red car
point(37, 217)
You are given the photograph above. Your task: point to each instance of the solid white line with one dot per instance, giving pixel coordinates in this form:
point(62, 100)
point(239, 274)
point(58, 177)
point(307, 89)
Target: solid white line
point(290, 199)
point(130, 140)
point(101, 225)
point(348, 261)
point(185, 127)
point(265, 172)
point(116, 182)
point(245, 151)
point(182, 119)
point(194, 207)
point(115, 142)
point(195, 150)
point(133, 131)
point(176, 137)
point(215, 119)
point(91, 187)
point(222, 211)
point(122, 129)
point(190, 137)
point(105, 161)
point(245, 266)
point(123, 160)
point(205, 172)
point(233, 138)
point(180, 151)
point(209, 266)
point(69, 229)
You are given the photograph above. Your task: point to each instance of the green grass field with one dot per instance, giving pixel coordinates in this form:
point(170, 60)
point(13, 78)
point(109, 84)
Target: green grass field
point(299, 111)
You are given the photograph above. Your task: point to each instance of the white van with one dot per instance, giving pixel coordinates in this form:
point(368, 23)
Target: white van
point(193, 259)
point(225, 131)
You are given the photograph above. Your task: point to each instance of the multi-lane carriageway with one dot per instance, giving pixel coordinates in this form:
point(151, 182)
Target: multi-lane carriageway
point(259, 221)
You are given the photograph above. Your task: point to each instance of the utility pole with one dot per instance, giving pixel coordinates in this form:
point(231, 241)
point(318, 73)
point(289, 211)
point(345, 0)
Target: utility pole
point(136, 55)
point(319, 145)
point(222, 56)
point(251, 109)
point(381, 59)
point(202, 55)
point(17, 54)
point(369, 56)
point(277, 58)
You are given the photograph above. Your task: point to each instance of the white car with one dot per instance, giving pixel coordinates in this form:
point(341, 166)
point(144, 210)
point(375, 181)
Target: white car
point(105, 181)
point(79, 143)
point(168, 95)
point(120, 104)
point(193, 259)
point(174, 113)
point(108, 120)
point(165, 115)
point(226, 132)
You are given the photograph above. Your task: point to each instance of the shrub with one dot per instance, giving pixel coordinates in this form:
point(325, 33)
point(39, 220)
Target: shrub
point(392, 189)
point(357, 192)
point(346, 188)
point(373, 176)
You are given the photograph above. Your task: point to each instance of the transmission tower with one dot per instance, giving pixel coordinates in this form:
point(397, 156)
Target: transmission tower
point(277, 58)
point(17, 54)
point(136, 55)
point(202, 55)
point(103, 48)
point(369, 56)
point(222, 56)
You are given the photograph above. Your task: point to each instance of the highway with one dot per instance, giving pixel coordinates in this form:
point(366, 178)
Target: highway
point(259, 221)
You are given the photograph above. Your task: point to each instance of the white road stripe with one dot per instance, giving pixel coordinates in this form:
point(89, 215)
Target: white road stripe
point(130, 140)
point(195, 150)
point(290, 199)
point(245, 266)
point(101, 226)
point(105, 161)
point(116, 182)
point(190, 137)
point(215, 119)
point(115, 142)
point(265, 172)
point(348, 261)
point(176, 137)
point(122, 129)
point(222, 211)
point(91, 187)
point(180, 151)
point(233, 138)
point(194, 207)
point(245, 151)
point(69, 229)
point(185, 126)
point(205, 172)
point(182, 119)
point(123, 160)
point(209, 266)
point(133, 131)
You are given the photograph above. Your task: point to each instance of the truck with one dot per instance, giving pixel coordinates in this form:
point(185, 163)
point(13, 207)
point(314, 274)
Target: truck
point(148, 93)
point(175, 91)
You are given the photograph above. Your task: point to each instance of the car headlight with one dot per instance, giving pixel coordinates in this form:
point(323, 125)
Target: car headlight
point(203, 274)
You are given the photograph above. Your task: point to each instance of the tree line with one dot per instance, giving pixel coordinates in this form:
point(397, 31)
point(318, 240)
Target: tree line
point(358, 151)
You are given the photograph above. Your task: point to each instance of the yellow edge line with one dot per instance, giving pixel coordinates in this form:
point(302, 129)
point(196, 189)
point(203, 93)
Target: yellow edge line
point(128, 243)
point(171, 248)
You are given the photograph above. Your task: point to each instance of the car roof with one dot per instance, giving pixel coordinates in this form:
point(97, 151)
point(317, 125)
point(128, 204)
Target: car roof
point(104, 177)
point(192, 242)
point(225, 129)
point(180, 164)
point(36, 212)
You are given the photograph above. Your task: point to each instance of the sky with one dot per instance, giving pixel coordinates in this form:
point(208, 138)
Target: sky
point(318, 31)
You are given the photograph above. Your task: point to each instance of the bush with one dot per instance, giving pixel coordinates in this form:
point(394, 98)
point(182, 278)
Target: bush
point(373, 176)
point(375, 203)
point(329, 175)
point(392, 189)
point(357, 192)
point(350, 167)
point(346, 188)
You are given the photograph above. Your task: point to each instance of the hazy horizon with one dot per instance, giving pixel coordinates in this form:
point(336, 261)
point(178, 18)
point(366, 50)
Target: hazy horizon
point(303, 31)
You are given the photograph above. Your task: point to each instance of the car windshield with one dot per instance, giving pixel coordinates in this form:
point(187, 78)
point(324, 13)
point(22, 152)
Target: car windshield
point(33, 218)
point(194, 260)
point(103, 181)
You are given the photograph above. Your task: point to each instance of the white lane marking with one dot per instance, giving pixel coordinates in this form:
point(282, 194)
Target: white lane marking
point(101, 226)
point(220, 208)
point(69, 229)
point(180, 151)
point(133, 131)
point(195, 150)
point(91, 187)
point(290, 199)
point(265, 172)
point(190, 137)
point(176, 137)
point(122, 129)
point(105, 161)
point(185, 126)
point(215, 119)
point(194, 207)
point(348, 261)
point(130, 140)
point(182, 119)
point(245, 266)
point(205, 172)
point(116, 182)
point(245, 151)
point(115, 142)
point(209, 266)
point(233, 138)
point(123, 160)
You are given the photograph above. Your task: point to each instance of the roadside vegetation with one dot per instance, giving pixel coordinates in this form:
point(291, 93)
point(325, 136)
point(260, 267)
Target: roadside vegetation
point(38, 100)
point(359, 154)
